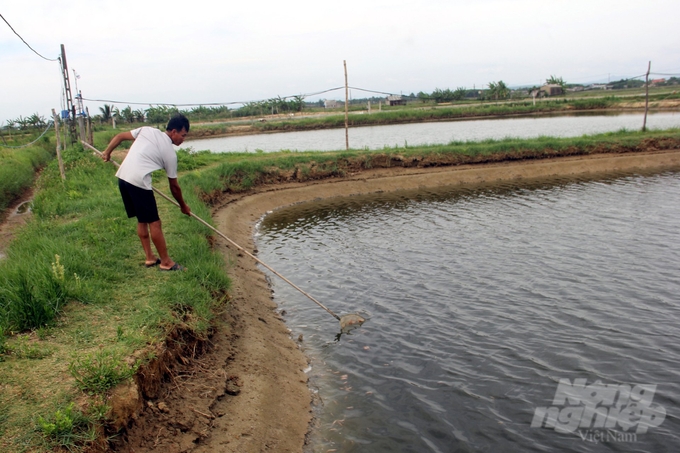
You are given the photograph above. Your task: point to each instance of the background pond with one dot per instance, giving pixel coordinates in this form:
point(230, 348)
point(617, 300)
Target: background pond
point(377, 137)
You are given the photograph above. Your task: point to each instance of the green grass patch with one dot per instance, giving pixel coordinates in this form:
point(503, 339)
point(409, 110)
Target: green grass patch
point(100, 371)
point(76, 299)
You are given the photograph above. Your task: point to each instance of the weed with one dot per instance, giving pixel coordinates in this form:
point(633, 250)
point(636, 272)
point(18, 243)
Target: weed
point(31, 295)
point(67, 428)
point(42, 333)
point(98, 372)
point(25, 349)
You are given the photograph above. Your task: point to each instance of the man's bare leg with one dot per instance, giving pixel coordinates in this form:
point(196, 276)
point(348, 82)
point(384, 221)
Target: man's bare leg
point(158, 239)
point(143, 233)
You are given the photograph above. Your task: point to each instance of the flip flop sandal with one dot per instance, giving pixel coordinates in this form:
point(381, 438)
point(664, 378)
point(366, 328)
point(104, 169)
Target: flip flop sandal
point(158, 261)
point(175, 267)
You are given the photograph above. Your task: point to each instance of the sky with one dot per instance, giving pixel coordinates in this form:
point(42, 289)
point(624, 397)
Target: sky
point(203, 51)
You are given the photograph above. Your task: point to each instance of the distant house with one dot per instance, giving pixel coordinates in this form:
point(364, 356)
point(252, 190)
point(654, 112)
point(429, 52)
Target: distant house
point(551, 90)
point(657, 82)
point(330, 104)
point(395, 100)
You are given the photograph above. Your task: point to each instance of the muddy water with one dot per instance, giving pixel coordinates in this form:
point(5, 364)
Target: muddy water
point(483, 303)
point(17, 216)
point(377, 137)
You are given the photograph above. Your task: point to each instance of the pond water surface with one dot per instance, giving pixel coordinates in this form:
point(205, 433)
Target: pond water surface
point(482, 302)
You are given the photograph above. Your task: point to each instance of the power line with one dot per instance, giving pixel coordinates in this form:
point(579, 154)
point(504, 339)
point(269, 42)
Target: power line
point(34, 51)
point(371, 91)
point(214, 103)
point(49, 124)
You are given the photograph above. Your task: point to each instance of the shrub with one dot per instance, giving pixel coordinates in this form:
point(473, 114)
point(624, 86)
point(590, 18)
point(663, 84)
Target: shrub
point(67, 427)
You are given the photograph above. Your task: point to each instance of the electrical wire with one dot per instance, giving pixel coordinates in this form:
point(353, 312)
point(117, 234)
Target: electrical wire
point(371, 91)
point(34, 51)
point(210, 103)
point(49, 124)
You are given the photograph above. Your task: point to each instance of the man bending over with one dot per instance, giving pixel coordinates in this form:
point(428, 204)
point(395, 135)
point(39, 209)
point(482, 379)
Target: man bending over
point(151, 150)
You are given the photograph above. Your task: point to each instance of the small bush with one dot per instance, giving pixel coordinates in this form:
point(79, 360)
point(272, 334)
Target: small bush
point(31, 295)
point(68, 428)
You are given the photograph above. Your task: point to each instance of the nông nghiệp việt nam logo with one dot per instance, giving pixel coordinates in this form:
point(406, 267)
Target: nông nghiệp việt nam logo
point(614, 408)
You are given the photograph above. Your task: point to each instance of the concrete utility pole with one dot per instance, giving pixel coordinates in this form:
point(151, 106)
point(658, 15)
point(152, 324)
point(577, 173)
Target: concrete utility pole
point(644, 122)
point(70, 108)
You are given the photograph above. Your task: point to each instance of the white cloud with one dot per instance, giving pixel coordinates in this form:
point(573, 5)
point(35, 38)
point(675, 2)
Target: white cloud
point(210, 51)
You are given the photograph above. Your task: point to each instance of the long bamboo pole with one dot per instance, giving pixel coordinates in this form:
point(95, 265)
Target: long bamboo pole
point(241, 249)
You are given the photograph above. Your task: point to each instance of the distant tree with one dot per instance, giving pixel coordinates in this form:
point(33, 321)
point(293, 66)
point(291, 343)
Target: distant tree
point(11, 124)
point(22, 123)
point(127, 115)
point(107, 112)
point(298, 102)
point(37, 121)
point(460, 93)
point(138, 116)
point(626, 83)
point(498, 90)
point(424, 97)
point(162, 113)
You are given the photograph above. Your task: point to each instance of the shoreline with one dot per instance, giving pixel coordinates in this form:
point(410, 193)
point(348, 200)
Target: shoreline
point(237, 215)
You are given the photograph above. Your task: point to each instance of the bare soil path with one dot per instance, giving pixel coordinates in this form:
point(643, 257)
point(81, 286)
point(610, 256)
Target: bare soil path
point(14, 218)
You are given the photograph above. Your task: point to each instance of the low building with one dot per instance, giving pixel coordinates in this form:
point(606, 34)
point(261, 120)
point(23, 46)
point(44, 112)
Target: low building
point(331, 104)
point(551, 90)
point(395, 100)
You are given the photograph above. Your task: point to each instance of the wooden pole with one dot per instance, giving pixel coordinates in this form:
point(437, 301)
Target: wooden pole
point(90, 132)
point(346, 108)
point(61, 161)
point(644, 122)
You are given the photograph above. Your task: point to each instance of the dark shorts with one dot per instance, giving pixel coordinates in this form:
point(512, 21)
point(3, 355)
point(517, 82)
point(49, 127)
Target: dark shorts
point(138, 202)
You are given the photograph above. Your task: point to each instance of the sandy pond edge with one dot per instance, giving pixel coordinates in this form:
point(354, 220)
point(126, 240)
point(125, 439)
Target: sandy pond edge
point(278, 357)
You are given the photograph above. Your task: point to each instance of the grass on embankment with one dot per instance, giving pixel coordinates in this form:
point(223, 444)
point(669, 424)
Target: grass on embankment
point(72, 321)
point(76, 300)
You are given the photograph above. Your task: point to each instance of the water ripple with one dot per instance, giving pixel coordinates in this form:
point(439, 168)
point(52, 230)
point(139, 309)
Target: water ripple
point(479, 303)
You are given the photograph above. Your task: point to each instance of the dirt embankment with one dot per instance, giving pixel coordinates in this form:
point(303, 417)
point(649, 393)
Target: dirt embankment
point(248, 392)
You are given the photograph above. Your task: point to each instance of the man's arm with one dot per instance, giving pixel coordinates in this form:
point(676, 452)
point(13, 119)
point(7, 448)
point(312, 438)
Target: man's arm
point(177, 194)
point(115, 141)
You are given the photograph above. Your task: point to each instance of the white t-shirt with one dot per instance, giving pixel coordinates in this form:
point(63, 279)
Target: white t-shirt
point(152, 150)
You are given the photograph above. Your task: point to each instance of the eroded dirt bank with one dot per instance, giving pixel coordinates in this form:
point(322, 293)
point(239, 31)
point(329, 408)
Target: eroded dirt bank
point(249, 392)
